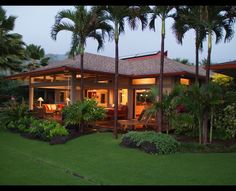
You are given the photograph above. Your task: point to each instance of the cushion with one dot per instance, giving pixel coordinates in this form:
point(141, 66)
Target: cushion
point(53, 107)
point(48, 107)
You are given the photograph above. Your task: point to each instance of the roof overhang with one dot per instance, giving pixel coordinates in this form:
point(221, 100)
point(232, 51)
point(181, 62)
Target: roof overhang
point(228, 69)
point(63, 69)
point(170, 74)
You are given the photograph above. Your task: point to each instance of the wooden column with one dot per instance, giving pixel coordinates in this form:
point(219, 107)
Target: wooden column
point(73, 88)
point(31, 94)
point(130, 100)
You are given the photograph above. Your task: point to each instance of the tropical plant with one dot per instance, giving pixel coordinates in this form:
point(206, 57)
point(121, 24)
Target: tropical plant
point(117, 16)
point(35, 56)
point(83, 24)
point(187, 18)
point(83, 112)
point(13, 111)
point(10, 89)
point(215, 19)
point(163, 12)
point(197, 99)
point(46, 130)
point(225, 120)
point(11, 44)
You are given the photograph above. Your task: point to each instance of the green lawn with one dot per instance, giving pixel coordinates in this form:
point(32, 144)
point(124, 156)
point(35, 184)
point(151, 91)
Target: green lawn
point(98, 159)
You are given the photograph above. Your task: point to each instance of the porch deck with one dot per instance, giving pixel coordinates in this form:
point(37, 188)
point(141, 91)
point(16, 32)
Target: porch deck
point(107, 125)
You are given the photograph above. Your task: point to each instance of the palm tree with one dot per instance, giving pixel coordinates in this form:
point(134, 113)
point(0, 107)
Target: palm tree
point(83, 24)
point(183, 61)
point(11, 44)
point(163, 12)
point(36, 56)
point(187, 18)
point(117, 15)
point(215, 19)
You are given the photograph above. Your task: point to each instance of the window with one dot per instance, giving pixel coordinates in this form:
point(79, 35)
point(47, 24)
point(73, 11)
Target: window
point(142, 81)
point(103, 98)
point(62, 95)
point(184, 81)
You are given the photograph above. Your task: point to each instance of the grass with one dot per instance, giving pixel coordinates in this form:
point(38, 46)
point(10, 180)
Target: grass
point(97, 159)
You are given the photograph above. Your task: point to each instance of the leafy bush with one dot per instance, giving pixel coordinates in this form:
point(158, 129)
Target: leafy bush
point(182, 123)
point(165, 144)
point(12, 112)
point(45, 130)
point(86, 111)
point(225, 120)
point(11, 88)
point(58, 132)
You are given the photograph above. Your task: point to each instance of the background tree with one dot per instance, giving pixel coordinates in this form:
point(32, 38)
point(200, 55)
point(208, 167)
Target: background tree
point(11, 45)
point(183, 61)
point(163, 12)
point(83, 24)
point(35, 56)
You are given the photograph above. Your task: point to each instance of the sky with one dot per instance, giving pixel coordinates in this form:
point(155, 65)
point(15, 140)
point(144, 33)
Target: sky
point(34, 23)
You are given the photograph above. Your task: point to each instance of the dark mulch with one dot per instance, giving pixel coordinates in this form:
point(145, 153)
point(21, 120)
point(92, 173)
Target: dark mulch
point(58, 140)
point(189, 139)
point(190, 144)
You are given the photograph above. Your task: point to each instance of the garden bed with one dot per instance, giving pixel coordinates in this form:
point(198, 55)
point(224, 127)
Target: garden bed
point(73, 133)
point(190, 144)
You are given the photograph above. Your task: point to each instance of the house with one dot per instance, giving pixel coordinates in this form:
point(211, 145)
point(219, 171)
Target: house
point(137, 74)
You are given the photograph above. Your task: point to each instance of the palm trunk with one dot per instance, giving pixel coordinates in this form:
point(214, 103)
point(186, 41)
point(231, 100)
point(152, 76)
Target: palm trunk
point(206, 113)
point(197, 60)
point(200, 131)
point(160, 124)
point(82, 76)
point(205, 127)
point(211, 127)
point(208, 57)
point(82, 84)
point(116, 82)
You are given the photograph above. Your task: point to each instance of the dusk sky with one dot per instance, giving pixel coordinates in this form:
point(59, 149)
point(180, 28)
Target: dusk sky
point(35, 23)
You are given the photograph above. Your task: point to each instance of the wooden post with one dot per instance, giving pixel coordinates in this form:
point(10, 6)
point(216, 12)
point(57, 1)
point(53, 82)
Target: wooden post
point(31, 94)
point(130, 103)
point(73, 87)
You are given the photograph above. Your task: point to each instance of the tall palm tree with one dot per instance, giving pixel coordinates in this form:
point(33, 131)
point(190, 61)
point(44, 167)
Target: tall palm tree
point(162, 12)
point(117, 16)
point(11, 44)
point(215, 20)
point(36, 56)
point(187, 18)
point(83, 24)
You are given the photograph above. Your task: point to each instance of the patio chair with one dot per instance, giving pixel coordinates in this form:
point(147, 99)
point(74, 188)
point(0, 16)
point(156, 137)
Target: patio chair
point(142, 120)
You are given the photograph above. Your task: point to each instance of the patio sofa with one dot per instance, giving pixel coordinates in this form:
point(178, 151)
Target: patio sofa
point(51, 108)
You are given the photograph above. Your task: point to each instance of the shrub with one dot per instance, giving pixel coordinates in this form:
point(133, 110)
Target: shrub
point(13, 112)
point(45, 130)
point(225, 121)
point(83, 112)
point(164, 144)
point(61, 131)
